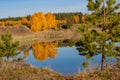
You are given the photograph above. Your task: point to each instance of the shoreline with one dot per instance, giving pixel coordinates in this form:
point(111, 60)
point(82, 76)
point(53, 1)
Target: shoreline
point(26, 37)
point(24, 71)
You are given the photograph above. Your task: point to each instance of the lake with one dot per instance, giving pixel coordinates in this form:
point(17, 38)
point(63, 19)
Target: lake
point(63, 57)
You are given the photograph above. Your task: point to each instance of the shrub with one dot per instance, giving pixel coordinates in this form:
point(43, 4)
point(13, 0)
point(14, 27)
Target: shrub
point(7, 47)
point(82, 28)
point(85, 64)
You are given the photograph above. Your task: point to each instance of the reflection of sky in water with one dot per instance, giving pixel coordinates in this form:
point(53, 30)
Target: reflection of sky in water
point(117, 44)
point(67, 61)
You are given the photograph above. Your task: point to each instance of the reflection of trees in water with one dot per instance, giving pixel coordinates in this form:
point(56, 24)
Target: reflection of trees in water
point(26, 53)
point(91, 44)
point(42, 51)
point(38, 51)
point(66, 42)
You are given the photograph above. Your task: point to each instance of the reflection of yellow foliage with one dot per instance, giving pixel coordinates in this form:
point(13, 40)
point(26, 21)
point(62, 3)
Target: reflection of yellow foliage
point(38, 51)
point(43, 50)
point(26, 53)
point(53, 50)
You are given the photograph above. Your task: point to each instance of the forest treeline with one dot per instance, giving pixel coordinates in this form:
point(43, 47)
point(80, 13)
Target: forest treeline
point(40, 21)
point(59, 16)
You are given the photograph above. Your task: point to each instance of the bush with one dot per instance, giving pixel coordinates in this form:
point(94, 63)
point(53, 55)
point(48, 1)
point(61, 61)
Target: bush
point(7, 47)
point(85, 64)
point(69, 24)
point(82, 28)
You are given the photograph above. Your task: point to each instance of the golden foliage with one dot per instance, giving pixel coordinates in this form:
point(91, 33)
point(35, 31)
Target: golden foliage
point(2, 23)
point(52, 50)
point(38, 51)
point(61, 21)
point(24, 21)
point(75, 19)
point(10, 23)
point(40, 22)
point(51, 21)
point(35, 21)
point(42, 51)
point(83, 19)
point(26, 53)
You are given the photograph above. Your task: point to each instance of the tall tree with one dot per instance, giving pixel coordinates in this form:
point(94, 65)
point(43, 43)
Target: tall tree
point(94, 5)
point(112, 5)
point(75, 19)
point(51, 21)
point(97, 6)
point(91, 40)
point(38, 21)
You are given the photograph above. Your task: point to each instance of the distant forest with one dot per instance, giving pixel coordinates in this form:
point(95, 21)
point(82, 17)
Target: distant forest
point(59, 16)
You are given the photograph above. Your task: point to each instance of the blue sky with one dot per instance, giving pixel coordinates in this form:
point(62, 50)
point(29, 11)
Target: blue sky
point(24, 7)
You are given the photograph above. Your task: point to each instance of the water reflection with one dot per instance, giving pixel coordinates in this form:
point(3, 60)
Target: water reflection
point(90, 45)
point(66, 56)
point(26, 53)
point(42, 51)
point(106, 52)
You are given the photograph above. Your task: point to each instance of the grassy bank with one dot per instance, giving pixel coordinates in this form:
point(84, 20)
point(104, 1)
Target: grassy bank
point(21, 71)
point(26, 37)
point(18, 70)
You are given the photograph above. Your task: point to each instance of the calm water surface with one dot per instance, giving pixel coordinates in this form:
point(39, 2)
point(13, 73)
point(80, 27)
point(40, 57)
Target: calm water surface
point(65, 60)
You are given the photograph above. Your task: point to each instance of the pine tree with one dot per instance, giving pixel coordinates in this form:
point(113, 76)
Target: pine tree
point(7, 47)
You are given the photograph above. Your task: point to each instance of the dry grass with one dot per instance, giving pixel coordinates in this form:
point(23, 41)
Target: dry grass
point(18, 70)
point(21, 71)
